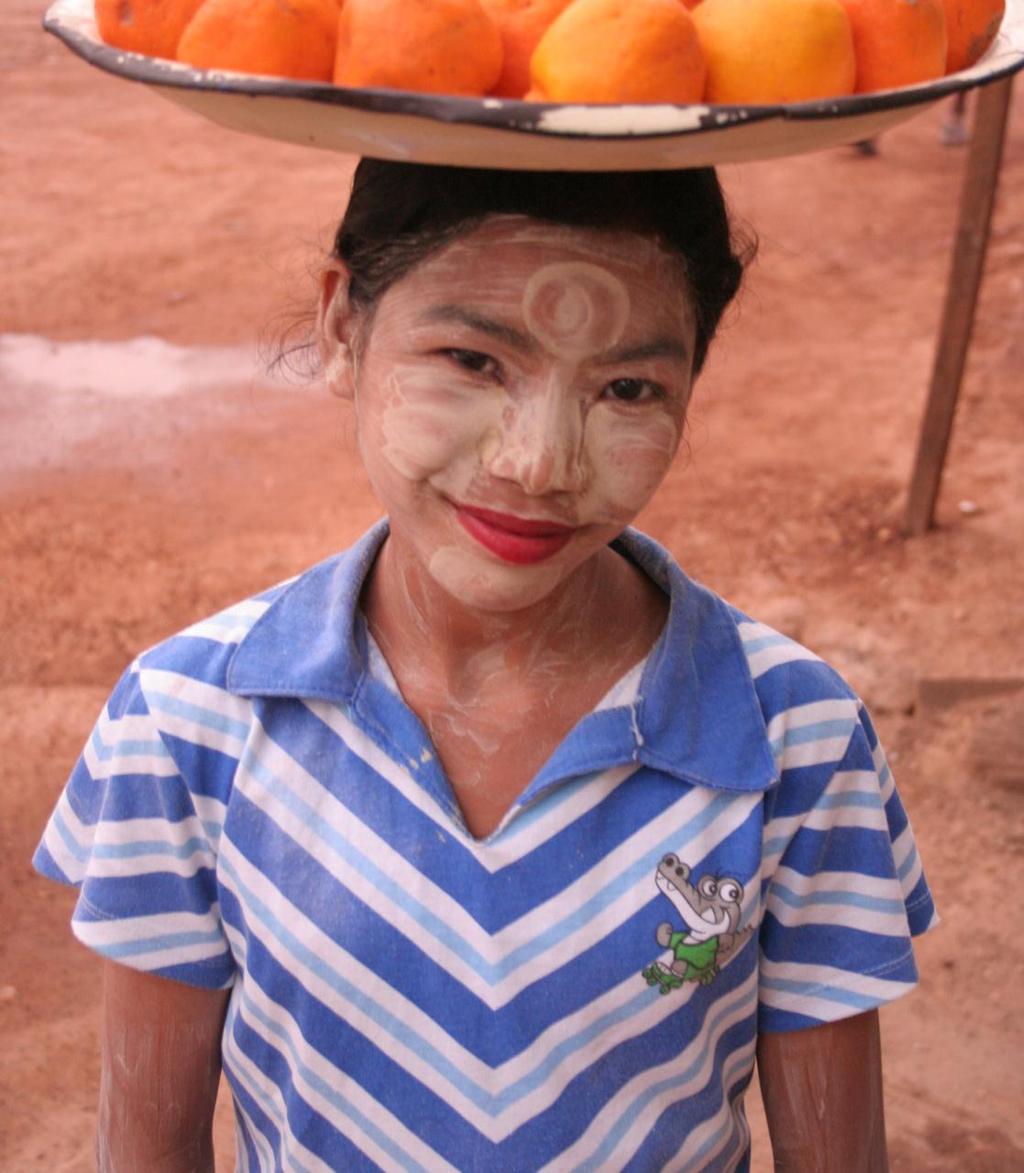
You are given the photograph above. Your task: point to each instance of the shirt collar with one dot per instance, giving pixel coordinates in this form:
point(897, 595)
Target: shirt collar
point(311, 640)
point(697, 715)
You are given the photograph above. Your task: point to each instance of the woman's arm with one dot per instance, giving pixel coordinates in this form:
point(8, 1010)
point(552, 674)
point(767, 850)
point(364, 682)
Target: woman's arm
point(159, 1072)
point(822, 1091)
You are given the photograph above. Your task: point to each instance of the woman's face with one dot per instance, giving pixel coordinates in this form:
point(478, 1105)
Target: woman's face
point(519, 397)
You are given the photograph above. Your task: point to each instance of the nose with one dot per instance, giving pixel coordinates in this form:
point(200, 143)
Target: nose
point(541, 446)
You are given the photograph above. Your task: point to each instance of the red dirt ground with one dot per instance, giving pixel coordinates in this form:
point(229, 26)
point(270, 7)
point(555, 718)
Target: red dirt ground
point(125, 519)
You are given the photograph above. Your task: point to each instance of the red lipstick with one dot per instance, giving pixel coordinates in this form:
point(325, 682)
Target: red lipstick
point(514, 539)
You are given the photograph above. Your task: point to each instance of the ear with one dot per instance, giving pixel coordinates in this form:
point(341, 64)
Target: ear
point(335, 328)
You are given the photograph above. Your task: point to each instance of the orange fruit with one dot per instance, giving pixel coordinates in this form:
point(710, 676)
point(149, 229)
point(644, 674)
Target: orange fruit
point(153, 27)
point(897, 42)
point(282, 38)
point(767, 51)
point(521, 23)
point(971, 26)
point(619, 51)
point(440, 47)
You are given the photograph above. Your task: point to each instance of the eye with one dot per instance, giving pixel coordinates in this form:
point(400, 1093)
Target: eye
point(632, 391)
point(730, 891)
point(474, 361)
point(708, 887)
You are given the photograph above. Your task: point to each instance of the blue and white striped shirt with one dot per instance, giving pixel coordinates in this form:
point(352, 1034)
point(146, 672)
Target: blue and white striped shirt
point(258, 809)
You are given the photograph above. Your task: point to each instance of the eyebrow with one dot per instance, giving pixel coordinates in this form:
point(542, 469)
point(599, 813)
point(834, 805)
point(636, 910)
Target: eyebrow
point(663, 346)
point(499, 330)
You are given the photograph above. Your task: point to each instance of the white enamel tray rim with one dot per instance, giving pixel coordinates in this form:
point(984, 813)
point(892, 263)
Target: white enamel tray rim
point(510, 133)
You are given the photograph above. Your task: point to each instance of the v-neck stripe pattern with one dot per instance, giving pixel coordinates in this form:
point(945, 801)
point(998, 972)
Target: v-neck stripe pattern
point(257, 809)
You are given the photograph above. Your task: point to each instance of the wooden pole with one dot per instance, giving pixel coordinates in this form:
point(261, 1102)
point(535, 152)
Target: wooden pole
point(977, 197)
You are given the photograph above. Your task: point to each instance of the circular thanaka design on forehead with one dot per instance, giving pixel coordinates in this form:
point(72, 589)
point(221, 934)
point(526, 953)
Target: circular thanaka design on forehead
point(575, 309)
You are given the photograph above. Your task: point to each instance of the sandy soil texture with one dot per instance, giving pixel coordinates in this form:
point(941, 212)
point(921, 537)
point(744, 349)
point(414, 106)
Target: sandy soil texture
point(124, 516)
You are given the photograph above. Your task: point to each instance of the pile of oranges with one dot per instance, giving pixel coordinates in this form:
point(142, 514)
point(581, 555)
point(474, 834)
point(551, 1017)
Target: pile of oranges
point(680, 51)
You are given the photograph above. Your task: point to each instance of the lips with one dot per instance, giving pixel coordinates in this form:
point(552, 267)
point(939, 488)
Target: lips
point(519, 540)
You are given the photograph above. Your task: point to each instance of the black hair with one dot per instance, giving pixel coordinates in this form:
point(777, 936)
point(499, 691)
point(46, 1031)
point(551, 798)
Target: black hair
point(401, 213)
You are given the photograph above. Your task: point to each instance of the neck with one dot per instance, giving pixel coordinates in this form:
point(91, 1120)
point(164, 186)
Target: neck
point(420, 627)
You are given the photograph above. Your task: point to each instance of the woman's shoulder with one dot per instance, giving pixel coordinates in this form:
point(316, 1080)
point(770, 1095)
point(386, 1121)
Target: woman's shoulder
point(204, 649)
point(804, 700)
point(276, 629)
point(783, 671)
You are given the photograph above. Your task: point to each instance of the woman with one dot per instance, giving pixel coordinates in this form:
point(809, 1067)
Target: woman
point(495, 842)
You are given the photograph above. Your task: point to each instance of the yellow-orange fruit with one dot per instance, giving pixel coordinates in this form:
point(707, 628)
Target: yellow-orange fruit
point(521, 23)
point(971, 26)
point(767, 51)
point(619, 51)
point(153, 27)
point(281, 38)
point(897, 42)
point(444, 47)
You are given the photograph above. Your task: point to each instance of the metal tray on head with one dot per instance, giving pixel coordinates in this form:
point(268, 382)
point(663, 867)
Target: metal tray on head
point(532, 136)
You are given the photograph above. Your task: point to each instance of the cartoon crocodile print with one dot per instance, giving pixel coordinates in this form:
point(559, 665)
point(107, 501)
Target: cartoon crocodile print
point(710, 911)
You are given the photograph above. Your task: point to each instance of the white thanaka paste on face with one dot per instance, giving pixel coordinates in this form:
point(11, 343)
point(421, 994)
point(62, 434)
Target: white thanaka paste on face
point(575, 309)
point(425, 418)
point(507, 588)
point(543, 441)
point(635, 456)
point(643, 257)
point(540, 447)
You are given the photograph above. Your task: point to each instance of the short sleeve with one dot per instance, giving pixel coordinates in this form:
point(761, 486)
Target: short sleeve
point(127, 834)
point(846, 892)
